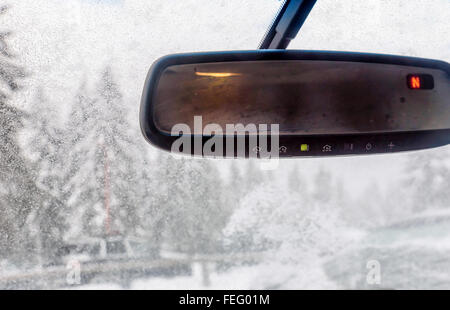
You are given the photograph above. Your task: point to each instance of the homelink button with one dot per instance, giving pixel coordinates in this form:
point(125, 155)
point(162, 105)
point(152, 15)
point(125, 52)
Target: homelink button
point(327, 148)
point(349, 146)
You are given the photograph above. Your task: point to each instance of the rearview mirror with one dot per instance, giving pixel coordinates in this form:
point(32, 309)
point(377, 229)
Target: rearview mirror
point(295, 103)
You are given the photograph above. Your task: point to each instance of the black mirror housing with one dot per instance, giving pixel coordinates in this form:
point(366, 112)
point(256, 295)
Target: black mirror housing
point(325, 103)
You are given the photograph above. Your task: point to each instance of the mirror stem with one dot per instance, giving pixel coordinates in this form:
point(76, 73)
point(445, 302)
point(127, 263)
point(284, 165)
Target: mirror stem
point(287, 23)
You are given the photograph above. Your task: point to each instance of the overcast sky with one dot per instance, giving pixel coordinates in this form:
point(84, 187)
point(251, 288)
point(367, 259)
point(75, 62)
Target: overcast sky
point(61, 41)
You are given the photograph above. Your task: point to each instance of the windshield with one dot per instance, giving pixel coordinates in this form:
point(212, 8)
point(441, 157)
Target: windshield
point(82, 194)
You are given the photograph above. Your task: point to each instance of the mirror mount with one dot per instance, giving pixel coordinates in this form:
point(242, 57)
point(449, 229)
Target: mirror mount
point(287, 23)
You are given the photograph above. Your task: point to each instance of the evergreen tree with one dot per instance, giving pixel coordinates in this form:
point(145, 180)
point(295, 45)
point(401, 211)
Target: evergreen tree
point(210, 208)
point(47, 144)
point(110, 163)
point(150, 209)
point(83, 192)
point(124, 156)
point(169, 200)
point(192, 205)
point(19, 195)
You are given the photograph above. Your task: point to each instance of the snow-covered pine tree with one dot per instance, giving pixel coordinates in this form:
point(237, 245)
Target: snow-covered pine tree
point(170, 201)
point(191, 205)
point(125, 155)
point(86, 193)
point(48, 145)
point(207, 206)
point(18, 191)
point(151, 209)
point(79, 125)
point(110, 162)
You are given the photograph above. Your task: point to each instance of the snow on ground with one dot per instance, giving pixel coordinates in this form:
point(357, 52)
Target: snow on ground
point(99, 286)
point(263, 276)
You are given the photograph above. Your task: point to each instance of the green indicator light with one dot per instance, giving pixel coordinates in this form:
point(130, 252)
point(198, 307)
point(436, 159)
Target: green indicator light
point(304, 147)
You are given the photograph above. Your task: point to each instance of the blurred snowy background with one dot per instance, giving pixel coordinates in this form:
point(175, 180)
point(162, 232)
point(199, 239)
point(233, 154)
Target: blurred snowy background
point(87, 203)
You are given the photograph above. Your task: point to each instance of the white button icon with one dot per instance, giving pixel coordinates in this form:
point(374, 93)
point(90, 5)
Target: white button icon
point(326, 148)
point(348, 146)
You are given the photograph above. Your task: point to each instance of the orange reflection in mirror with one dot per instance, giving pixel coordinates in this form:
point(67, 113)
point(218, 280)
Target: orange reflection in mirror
point(217, 74)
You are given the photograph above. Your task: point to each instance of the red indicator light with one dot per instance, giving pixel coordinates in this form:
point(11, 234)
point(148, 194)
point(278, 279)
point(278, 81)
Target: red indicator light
point(414, 82)
point(420, 81)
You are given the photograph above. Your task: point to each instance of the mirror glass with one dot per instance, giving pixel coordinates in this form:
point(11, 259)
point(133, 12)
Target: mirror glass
point(307, 97)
